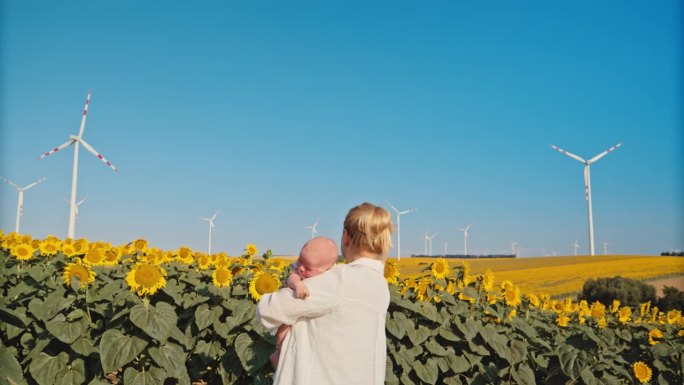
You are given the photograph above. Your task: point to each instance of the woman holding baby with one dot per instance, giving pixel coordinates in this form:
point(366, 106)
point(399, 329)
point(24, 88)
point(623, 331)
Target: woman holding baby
point(337, 333)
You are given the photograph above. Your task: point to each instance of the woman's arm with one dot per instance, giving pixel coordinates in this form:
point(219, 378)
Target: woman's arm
point(282, 308)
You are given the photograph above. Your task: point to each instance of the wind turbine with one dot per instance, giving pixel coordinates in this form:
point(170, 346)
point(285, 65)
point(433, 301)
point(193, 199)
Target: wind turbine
point(399, 214)
point(313, 229)
point(75, 141)
point(576, 245)
point(425, 237)
point(513, 245)
point(429, 239)
point(587, 184)
point(20, 201)
point(445, 249)
point(211, 228)
point(605, 248)
point(77, 204)
point(465, 238)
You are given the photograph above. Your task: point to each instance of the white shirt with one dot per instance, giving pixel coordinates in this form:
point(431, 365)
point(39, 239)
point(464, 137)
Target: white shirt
point(338, 332)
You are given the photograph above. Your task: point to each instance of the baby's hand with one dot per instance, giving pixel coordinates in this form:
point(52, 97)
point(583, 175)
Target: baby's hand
point(300, 290)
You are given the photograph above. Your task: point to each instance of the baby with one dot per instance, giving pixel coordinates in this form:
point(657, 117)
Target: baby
point(316, 257)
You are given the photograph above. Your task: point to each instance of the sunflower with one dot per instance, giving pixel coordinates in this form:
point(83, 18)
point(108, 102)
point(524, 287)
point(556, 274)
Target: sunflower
point(184, 255)
point(140, 245)
point(263, 283)
point(277, 264)
point(465, 272)
point(391, 272)
point(562, 320)
point(506, 284)
point(451, 288)
point(615, 306)
point(512, 296)
point(251, 249)
point(421, 289)
point(598, 310)
point(654, 335)
point(222, 277)
point(534, 300)
point(624, 315)
point(512, 314)
point(80, 271)
point(464, 297)
point(94, 257)
point(50, 246)
point(602, 323)
point(203, 261)
point(111, 256)
point(642, 372)
point(68, 249)
point(146, 278)
point(81, 246)
point(491, 298)
point(487, 281)
point(673, 316)
point(22, 251)
point(440, 268)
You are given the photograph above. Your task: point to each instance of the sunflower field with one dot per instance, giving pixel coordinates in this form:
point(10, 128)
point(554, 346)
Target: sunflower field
point(80, 312)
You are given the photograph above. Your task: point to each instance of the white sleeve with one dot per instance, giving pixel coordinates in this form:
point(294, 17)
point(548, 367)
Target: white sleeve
point(282, 308)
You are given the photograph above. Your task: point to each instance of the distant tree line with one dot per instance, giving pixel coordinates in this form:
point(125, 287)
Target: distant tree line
point(463, 256)
point(630, 292)
point(675, 253)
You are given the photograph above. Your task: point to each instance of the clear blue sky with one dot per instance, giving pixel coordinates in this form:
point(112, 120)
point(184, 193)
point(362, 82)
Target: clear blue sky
point(282, 113)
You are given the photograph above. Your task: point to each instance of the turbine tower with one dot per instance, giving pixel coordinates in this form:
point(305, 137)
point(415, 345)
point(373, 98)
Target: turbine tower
point(465, 238)
point(587, 184)
point(20, 200)
point(513, 245)
point(576, 246)
point(75, 141)
point(605, 248)
point(211, 228)
point(313, 229)
point(429, 239)
point(77, 204)
point(425, 237)
point(445, 249)
point(399, 214)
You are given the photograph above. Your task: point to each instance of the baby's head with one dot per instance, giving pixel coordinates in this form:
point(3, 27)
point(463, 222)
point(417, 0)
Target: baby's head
point(316, 257)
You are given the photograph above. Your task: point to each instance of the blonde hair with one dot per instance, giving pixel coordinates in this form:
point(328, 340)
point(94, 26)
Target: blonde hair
point(369, 228)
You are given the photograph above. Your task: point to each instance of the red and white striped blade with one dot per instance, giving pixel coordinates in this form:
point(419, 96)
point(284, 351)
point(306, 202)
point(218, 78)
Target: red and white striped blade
point(604, 153)
point(65, 145)
point(83, 118)
point(573, 156)
point(102, 158)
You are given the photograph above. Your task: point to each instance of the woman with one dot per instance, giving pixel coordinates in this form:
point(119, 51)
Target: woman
point(338, 332)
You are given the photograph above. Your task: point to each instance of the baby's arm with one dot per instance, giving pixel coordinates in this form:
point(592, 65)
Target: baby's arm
point(294, 282)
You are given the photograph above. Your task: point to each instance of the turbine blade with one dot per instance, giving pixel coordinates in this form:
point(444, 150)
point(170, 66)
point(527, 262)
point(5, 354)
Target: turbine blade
point(33, 184)
point(604, 153)
point(65, 145)
point(586, 182)
point(11, 183)
point(83, 119)
point(102, 158)
point(573, 156)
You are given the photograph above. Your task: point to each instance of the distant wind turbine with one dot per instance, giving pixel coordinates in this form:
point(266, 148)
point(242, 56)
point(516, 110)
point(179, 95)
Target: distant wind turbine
point(605, 248)
point(587, 184)
point(20, 200)
point(465, 238)
point(445, 249)
point(513, 245)
point(75, 141)
point(576, 245)
point(399, 214)
point(212, 228)
point(429, 238)
point(77, 204)
point(313, 229)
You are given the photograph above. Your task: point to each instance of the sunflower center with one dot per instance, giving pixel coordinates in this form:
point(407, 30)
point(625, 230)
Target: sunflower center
point(79, 272)
point(147, 275)
point(265, 284)
point(222, 276)
point(23, 251)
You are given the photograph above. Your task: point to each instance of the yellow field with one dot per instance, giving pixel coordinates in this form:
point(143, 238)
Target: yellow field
point(559, 275)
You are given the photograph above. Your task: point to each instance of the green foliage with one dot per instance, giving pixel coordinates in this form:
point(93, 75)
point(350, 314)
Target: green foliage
point(630, 292)
point(672, 299)
point(191, 330)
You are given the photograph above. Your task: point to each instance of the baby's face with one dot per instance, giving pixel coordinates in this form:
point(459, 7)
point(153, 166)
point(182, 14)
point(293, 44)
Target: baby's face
point(310, 266)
